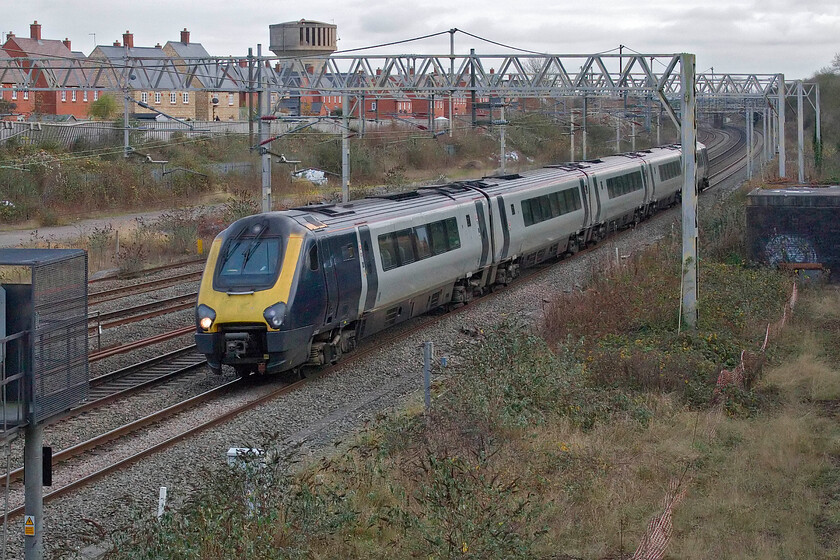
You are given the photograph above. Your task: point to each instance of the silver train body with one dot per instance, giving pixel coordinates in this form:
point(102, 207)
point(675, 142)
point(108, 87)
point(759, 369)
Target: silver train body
point(325, 276)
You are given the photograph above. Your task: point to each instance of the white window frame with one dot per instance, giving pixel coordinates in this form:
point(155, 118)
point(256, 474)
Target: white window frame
point(63, 95)
point(186, 98)
point(25, 95)
point(173, 97)
point(84, 96)
point(73, 95)
point(157, 98)
point(14, 94)
point(95, 95)
point(144, 96)
point(230, 100)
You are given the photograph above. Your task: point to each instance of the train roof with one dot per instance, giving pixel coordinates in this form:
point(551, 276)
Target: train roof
point(328, 217)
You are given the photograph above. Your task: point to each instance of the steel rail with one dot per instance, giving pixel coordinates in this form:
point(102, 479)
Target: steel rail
point(127, 429)
point(125, 291)
point(116, 275)
point(122, 349)
point(136, 313)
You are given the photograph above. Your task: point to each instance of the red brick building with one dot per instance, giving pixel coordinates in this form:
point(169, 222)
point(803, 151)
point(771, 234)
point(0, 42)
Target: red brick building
point(74, 100)
point(23, 101)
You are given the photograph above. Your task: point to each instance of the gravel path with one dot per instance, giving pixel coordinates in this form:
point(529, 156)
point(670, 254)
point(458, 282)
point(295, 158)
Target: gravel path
point(309, 421)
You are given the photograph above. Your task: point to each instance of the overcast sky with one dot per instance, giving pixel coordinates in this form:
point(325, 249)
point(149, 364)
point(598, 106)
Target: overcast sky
point(795, 37)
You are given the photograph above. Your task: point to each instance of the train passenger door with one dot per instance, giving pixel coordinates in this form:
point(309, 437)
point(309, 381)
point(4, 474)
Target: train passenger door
point(645, 183)
point(346, 276)
point(486, 249)
point(584, 196)
point(596, 210)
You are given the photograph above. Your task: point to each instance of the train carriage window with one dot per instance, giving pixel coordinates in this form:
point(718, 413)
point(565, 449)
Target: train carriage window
point(512, 210)
point(527, 215)
point(575, 203)
point(469, 224)
point(555, 204)
point(312, 257)
point(405, 247)
point(536, 210)
point(545, 207)
point(348, 252)
point(424, 248)
point(387, 251)
point(452, 234)
point(439, 237)
point(249, 262)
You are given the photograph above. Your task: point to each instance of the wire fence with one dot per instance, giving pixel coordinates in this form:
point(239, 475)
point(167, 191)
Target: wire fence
point(100, 133)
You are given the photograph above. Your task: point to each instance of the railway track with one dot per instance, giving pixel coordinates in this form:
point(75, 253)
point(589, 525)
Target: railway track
point(140, 312)
point(161, 268)
point(137, 344)
point(231, 410)
point(121, 382)
point(730, 160)
point(103, 296)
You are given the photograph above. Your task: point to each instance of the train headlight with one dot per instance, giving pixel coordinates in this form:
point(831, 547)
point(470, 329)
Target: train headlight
point(205, 316)
point(275, 314)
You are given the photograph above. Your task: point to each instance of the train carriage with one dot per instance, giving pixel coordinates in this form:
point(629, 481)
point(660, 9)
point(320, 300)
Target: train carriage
point(300, 287)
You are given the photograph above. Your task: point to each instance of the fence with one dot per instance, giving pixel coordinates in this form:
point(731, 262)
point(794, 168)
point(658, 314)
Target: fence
point(95, 133)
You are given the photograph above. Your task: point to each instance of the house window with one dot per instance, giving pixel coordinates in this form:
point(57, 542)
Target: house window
point(157, 97)
point(144, 96)
point(14, 94)
point(186, 98)
point(73, 95)
point(230, 99)
point(63, 95)
point(95, 95)
point(26, 95)
point(84, 96)
point(173, 97)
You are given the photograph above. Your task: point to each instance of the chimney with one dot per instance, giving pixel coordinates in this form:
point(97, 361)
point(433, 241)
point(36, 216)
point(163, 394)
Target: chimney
point(379, 71)
point(492, 71)
point(117, 44)
point(35, 30)
point(10, 35)
point(66, 42)
point(128, 39)
point(277, 67)
point(158, 46)
point(185, 36)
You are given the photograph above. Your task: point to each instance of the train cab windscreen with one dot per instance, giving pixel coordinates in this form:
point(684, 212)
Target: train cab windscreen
point(249, 261)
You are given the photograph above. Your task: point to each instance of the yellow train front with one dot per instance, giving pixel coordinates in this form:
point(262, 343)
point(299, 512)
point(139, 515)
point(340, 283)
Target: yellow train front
point(261, 303)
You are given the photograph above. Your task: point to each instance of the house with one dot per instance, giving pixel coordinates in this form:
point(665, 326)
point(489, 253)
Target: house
point(15, 104)
point(75, 99)
point(209, 105)
point(154, 66)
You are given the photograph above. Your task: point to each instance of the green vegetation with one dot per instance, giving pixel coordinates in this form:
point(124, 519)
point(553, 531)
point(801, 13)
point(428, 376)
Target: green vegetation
point(103, 108)
point(823, 158)
point(562, 442)
point(46, 184)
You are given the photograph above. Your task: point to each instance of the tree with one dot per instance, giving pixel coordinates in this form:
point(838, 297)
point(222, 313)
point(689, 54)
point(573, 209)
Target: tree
point(834, 68)
point(6, 107)
point(103, 108)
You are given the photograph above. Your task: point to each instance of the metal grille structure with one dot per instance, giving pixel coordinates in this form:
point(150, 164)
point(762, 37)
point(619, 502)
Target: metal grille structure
point(49, 306)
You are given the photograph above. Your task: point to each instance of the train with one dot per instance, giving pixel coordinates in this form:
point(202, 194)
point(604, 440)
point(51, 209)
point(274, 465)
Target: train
point(290, 289)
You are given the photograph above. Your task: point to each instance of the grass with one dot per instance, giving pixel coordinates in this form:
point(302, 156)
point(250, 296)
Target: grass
point(513, 469)
point(534, 450)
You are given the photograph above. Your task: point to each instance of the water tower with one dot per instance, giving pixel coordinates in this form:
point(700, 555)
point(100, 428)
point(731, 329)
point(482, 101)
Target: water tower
point(302, 38)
